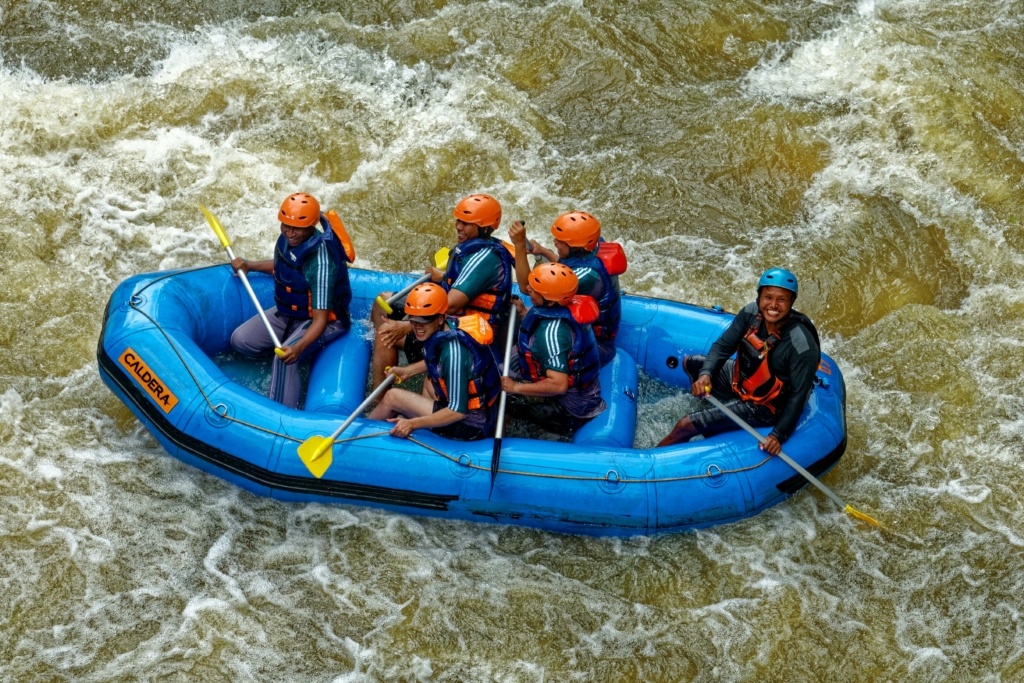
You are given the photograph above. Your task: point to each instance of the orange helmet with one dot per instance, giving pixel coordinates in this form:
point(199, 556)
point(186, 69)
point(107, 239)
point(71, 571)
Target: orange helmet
point(299, 210)
point(577, 229)
point(480, 209)
point(426, 301)
point(555, 282)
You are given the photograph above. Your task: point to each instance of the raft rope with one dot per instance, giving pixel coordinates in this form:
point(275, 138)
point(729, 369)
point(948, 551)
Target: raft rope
point(464, 460)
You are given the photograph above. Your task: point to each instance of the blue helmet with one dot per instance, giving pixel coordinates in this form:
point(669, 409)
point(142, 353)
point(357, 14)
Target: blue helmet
point(778, 277)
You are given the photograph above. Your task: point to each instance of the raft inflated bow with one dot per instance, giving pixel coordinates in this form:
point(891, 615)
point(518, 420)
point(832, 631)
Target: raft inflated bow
point(174, 323)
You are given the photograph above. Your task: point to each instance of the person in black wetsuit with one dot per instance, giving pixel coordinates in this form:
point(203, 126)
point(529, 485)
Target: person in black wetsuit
point(768, 383)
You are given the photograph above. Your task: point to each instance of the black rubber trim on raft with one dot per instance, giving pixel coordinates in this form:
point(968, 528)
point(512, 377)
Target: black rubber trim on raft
point(797, 481)
point(259, 475)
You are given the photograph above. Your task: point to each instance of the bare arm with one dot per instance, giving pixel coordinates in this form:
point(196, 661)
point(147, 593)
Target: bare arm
point(553, 384)
point(457, 300)
point(442, 418)
point(518, 235)
point(253, 266)
point(538, 250)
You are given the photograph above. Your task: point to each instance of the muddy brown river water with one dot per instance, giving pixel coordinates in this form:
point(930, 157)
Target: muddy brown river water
point(876, 148)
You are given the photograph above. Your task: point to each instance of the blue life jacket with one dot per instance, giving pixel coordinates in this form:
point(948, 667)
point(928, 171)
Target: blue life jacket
point(492, 303)
point(584, 359)
point(484, 382)
point(291, 291)
point(610, 303)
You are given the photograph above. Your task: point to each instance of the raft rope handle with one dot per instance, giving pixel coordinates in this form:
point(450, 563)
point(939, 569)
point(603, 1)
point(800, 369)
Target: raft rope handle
point(469, 461)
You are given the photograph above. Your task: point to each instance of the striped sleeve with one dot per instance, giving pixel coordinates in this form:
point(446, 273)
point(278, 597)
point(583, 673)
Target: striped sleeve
point(456, 366)
point(590, 281)
point(479, 273)
point(552, 344)
point(321, 274)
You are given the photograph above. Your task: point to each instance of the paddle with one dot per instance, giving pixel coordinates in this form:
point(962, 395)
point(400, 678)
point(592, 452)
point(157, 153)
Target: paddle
point(500, 429)
point(313, 449)
point(806, 475)
point(440, 260)
point(223, 237)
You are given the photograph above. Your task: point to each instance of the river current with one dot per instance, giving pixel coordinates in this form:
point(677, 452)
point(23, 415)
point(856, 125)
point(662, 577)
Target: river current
point(876, 148)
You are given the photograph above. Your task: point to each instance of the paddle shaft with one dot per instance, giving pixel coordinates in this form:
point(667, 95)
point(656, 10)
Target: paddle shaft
point(362, 406)
point(500, 430)
point(252, 295)
point(440, 260)
point(754, 433)
point(392, 299)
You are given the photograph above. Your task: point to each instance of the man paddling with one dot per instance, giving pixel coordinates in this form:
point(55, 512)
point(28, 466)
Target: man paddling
point(558, 360)
point(597, 264)
point(478, 279)
point(768, 383)
point(311, 290)
point(459, 400)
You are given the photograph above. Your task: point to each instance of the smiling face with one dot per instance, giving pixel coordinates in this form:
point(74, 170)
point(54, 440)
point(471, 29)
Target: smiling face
point(424, 330)
point(466, 231)
point(775, 303)
point(296, 236)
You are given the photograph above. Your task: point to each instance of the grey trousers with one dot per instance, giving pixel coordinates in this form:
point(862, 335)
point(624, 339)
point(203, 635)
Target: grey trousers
point(252, 340)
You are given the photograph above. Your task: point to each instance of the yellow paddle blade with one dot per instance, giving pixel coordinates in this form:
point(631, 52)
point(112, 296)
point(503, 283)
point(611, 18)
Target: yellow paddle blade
point(384, 305)
point(315, 453)
point(441, 258)
point(217, 227)
point(861, 516)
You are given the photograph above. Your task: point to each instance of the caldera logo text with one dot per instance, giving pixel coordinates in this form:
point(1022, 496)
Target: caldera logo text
point(148, 379)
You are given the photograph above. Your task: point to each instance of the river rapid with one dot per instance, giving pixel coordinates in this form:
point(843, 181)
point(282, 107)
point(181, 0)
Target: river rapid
point(876, 148)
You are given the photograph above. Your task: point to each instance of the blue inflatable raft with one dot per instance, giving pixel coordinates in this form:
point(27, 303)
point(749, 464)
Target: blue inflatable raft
point(160, 331)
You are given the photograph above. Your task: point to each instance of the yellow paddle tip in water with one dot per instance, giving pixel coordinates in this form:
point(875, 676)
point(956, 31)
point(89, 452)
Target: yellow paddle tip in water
point(217, 227)
point(862, 517)
point(315, 453)
point(385, 306)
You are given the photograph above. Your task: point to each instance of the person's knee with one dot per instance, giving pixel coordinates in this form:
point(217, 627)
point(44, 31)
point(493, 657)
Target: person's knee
point(240, 343)
point(378, 340)
point(388, 399)
point(685, 423)
point(692, 365)
point(377, 314)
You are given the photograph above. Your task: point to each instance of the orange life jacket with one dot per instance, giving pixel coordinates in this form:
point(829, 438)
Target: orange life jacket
point(752, 380)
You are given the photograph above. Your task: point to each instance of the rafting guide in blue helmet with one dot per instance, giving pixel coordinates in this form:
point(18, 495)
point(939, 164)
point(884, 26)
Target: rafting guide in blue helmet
point(777, 354)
